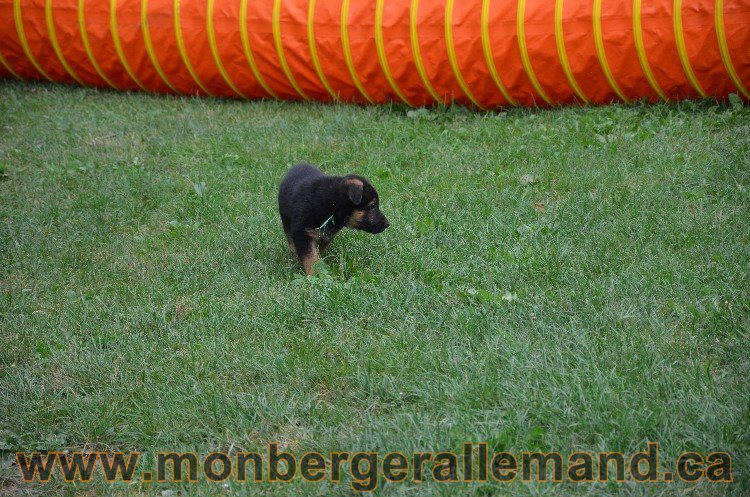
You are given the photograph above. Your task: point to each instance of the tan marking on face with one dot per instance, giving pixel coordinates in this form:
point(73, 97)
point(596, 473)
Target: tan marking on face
point(355, 218)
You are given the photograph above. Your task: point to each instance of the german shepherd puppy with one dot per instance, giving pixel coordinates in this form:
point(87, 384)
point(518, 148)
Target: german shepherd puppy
point(315, 207)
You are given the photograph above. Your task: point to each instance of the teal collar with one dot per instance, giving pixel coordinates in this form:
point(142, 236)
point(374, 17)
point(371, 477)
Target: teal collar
point(326, 223)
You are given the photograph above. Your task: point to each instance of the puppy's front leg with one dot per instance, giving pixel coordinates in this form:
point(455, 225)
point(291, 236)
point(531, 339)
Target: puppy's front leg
point(307, 251)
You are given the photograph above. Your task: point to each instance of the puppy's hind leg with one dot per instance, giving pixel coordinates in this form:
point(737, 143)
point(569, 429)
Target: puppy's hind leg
point(289, 242)
point(306, 250)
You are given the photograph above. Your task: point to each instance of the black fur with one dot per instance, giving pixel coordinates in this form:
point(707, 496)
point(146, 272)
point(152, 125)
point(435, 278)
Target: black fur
point(307, 199)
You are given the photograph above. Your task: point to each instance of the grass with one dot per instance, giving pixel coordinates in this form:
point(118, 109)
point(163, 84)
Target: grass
point(574, 279)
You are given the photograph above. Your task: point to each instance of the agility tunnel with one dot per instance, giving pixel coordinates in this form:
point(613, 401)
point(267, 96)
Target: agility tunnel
point(482, 53)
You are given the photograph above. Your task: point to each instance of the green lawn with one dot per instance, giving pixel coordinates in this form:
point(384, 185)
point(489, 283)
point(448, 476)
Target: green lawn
point(562, 280)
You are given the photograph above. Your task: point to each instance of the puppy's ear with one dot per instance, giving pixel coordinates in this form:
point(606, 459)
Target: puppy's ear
point(353, 188)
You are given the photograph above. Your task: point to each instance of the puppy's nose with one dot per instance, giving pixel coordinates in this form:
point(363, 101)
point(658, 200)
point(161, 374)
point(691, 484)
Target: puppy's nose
point(386, 224)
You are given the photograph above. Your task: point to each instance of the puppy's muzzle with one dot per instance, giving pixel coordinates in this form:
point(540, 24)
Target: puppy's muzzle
point(378, 223)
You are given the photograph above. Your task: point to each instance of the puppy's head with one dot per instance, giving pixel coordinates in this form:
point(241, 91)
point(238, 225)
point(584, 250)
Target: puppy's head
point(363, 205)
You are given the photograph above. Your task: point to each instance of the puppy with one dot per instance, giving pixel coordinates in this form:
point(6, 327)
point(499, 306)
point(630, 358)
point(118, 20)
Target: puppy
point(315, 207)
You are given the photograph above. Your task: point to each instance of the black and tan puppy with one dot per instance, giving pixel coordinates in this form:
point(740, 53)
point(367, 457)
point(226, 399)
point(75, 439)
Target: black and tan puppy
point(315, 207)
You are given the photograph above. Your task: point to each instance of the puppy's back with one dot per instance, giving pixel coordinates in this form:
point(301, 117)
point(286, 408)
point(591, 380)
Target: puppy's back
point(293, 187)
point(301, 173)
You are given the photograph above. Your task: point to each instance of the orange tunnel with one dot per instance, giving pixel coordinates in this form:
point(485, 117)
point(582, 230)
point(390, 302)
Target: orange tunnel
point(484, 53)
